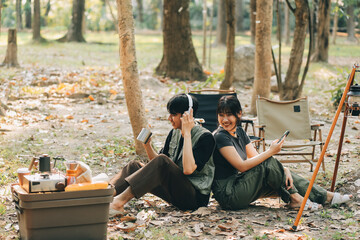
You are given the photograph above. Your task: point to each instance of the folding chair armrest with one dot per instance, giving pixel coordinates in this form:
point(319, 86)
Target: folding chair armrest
point(316, 126)
point(248, 119)
point(261, 127)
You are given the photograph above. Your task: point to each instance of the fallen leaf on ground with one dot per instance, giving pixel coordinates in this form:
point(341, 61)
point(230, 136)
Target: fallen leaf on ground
point(128, 219)
point(127, 226)
point(202, 211)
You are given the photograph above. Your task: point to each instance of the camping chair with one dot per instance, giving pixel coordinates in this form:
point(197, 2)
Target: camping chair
point(275, 117)
point(208, 100)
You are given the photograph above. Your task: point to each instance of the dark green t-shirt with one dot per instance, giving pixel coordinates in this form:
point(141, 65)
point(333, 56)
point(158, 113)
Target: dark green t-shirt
point(223, 169)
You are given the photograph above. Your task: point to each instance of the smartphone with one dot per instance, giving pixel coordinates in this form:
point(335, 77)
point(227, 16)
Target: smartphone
point(284, 135)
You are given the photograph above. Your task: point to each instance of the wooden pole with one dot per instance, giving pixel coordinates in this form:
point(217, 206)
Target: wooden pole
point(339, 148)
point(321, 158)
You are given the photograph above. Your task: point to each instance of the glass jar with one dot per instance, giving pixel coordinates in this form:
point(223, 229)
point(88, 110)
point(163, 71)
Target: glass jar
point(70, 176)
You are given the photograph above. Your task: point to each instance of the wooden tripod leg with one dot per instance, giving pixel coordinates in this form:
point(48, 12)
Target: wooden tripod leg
point(321, 158)
point(341, 140)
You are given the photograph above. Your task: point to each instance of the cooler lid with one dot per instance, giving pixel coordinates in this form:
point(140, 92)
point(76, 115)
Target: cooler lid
point(20, 193)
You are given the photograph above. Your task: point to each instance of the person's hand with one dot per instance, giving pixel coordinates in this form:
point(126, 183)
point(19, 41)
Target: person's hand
point(289, 180)
point(187, 123)
point(275, 147)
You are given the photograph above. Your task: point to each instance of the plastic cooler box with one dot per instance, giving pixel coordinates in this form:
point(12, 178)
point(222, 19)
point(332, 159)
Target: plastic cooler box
point(62, 215)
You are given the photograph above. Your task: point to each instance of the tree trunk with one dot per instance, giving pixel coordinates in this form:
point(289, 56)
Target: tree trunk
point(11, 51)
point(112, 14)
point(314, 23)
point(161, 10)
point(1, 5)
point(75, 32)
point(140, 10)
point(350, 25)
point(47, 11)
point(204, 32)
point(278, 17)
point(322, 49)
point(36, 23)
point(129, 69)
point(230, 46)
point(253, 20)
point(263, 60)
point(287, 25)
point(27, 10)
point(292, 88)
point(221, 24)
point(179, 58)
point(19, 25)
point(335, 25)
point(239, 15)
point(210, 32)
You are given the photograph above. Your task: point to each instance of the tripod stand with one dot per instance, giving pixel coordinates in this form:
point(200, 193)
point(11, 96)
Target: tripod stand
point(321, 158)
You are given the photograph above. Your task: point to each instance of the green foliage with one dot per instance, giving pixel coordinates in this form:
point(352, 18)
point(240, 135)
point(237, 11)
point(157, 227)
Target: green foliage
point(325, 214)
point(2, 209)
point(196, 15)
point(211, 81)
point(8, 16)
point(338, 235)
point(338, 86)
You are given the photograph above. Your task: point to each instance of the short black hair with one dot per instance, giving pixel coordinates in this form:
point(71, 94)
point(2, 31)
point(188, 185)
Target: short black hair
point(229, 104)
point(180, 103)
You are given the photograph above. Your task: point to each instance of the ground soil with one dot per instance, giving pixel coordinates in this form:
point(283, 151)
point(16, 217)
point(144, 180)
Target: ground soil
point(48, 113)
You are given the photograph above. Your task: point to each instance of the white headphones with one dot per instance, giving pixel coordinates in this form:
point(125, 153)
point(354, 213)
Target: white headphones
point(190, 103)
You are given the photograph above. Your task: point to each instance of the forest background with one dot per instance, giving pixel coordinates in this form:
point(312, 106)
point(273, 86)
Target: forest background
point(68, 99)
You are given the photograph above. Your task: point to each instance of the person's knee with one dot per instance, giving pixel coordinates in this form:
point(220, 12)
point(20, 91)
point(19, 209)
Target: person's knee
point(133, 165)
point(162, 160)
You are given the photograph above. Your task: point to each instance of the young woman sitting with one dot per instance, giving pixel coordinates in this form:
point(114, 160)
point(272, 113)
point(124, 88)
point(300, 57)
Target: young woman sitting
point(242, 175)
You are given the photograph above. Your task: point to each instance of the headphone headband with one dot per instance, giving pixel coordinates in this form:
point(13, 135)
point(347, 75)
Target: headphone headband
point(190, 102)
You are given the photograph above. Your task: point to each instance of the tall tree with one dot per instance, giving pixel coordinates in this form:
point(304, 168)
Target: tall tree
point(140, 10)
point(287, 24)
point(263, 60)
point(19, 25)
point(179, 58)
point(239, 15)
point(27, 10)
point(111, 13)
point(292, 88)
point(314, 22)
point(230, 46)
point(11, 51)
point(75, 31)
point(350, 24)
point(204, 32)
point(335, 24)
point(322, 49)
point(221, 24)
point(36, 23)
point(129, 69)
point(1, 5)
point(47, 11)
point(253, 20)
